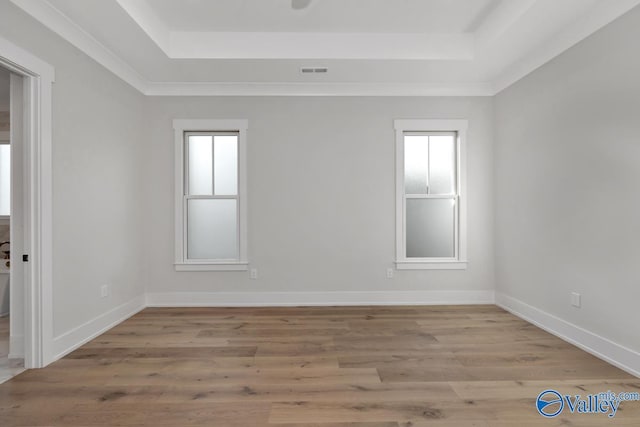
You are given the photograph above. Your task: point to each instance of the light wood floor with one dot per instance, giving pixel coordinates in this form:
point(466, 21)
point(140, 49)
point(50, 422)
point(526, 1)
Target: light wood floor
point(315, 367)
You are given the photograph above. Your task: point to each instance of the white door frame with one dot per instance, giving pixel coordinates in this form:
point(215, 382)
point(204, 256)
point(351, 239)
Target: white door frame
point(38, 221)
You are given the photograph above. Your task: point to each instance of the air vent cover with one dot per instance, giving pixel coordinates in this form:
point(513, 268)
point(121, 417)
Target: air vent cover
point(314, 70)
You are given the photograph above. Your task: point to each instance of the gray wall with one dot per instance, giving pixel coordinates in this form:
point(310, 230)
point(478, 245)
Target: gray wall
point(97, 185)
point(566, 183)
point(321, 193)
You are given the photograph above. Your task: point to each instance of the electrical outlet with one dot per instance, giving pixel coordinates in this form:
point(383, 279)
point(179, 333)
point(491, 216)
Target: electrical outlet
point(104, 291)
point(253, 273)
point(389, 273)
point(575, 299)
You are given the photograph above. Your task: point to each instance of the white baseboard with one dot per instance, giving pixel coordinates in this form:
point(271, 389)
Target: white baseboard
point(69, 341)
point(615, 354)
point(288, 299)
point(16, 347)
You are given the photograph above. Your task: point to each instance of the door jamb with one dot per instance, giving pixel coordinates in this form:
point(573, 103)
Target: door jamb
point(38, 79)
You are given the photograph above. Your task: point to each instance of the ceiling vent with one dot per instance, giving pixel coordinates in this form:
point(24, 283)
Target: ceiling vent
point(300, 4)
point(314, 70)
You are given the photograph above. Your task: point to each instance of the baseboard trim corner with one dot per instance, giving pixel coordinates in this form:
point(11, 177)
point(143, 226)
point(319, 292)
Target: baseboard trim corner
point(337, 298)
point(71, 340)
point(622, 357)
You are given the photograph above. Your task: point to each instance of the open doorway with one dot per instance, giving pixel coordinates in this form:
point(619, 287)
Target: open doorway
point(31, 253)
point(11, 225)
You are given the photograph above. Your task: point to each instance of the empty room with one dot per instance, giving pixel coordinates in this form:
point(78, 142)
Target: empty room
point(319, 213)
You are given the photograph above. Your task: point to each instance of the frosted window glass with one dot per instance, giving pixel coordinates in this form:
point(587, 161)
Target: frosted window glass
point(442, 164)
point(430, 228)
point(416, 164)
point(200, 165)
point(225, 165)
point(212, 229)
point(5, 179)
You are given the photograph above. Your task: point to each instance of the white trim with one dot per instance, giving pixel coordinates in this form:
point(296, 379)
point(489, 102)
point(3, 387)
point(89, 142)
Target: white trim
point(214, 266)
point(39, 77)
point(432, 125)
point(181, 126)
point(16, 346)
point(62, 25)
point(601, 347)
point(433, 265)
point(69, 341)
point(338, 298)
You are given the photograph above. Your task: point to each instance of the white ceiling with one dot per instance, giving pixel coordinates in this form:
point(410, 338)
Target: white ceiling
point(371, 47)
point(341, 16)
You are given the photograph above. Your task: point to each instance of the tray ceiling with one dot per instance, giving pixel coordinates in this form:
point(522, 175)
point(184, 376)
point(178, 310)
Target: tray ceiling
point(370, 47)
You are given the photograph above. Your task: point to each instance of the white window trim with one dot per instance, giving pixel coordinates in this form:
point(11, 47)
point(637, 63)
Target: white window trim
point(181, 126)
point(427, 125)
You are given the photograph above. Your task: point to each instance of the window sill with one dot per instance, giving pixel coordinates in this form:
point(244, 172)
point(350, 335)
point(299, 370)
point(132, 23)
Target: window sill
point(431, 265)
point(223, 266)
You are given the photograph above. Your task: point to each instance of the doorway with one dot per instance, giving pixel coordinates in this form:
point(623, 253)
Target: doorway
point(12, 302)
point(31, 217)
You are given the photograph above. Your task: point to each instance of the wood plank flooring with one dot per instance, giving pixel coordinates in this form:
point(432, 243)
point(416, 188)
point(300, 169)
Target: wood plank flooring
point(315, 367)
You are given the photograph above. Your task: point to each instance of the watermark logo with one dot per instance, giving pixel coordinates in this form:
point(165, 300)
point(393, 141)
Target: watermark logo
point(550, 403)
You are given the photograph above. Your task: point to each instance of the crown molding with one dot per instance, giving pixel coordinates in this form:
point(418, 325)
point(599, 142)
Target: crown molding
point(597, 17)
point(60, 24)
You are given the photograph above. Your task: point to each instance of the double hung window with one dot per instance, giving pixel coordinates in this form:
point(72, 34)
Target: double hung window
point(431, 209)
point(211, 194)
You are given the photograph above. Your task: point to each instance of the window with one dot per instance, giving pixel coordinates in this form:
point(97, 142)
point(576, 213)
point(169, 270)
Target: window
point(430, 203)
point(211, 207)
